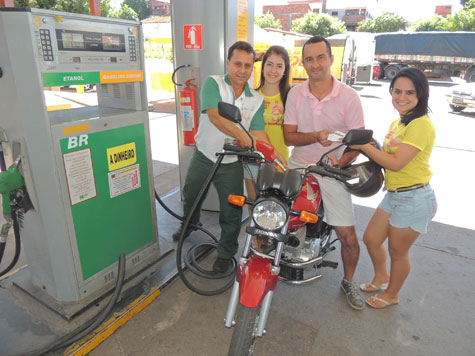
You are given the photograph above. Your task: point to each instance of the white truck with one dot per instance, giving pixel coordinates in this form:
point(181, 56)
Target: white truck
point(358, 57)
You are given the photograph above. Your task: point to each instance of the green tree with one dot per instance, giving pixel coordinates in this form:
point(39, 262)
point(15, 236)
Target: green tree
point(23, 3)
point(42, 4)
point(107, 10)
point(468, 4)
point(267, 21)
point(318, 24)
point(437, 23)
point(76, 6)
point(462, 21)
point(81, 7)
point(45, 4)
point(127, 13)
point(139, 6)
point(367, 25)
point(384, 23)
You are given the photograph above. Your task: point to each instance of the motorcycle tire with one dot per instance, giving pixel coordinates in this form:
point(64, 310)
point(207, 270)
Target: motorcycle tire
point(243, 339)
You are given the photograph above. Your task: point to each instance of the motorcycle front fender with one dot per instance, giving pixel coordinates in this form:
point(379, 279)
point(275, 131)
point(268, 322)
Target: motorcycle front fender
point(255, 280)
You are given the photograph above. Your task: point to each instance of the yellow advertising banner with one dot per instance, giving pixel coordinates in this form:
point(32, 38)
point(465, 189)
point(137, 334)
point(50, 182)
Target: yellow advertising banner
point(242, 14)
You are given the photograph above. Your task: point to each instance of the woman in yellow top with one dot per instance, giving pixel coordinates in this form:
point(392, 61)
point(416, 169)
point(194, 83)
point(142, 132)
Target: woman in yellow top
point(274, 86)
point(409, 204)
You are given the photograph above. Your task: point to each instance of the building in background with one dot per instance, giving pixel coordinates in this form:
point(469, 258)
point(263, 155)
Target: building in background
point(350, 15)
point(159, 8)
point(294, 10)
point(158, 52)
point(352, 12)
point(443, 10)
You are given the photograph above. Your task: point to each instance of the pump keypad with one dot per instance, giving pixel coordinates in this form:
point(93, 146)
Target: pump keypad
point(133, 53)
point(46, 45)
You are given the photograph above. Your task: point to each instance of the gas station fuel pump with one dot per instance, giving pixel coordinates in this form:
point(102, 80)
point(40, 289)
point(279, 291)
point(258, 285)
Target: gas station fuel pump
point(87, 170)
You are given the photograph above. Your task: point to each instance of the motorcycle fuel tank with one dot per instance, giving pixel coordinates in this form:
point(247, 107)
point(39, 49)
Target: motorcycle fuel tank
point(309, 199)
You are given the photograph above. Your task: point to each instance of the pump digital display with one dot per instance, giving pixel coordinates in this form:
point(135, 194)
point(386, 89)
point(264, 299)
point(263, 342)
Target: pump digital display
point(111, 43)
point(90, 41)
point(73, 40)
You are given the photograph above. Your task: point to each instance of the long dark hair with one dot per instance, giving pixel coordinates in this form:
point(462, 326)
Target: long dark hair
point(284, 84)
point(421, 85)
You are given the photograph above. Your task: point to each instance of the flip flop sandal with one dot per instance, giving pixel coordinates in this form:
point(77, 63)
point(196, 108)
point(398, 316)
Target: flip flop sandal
point(374, 298)
point(370, 287)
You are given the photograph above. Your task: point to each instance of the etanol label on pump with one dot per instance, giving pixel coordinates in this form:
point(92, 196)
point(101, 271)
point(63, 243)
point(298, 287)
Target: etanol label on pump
point(121, 156)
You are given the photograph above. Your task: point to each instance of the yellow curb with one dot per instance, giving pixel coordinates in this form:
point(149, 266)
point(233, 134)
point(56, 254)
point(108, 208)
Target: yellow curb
point(11, 273)
point(90, 342)
point(58, 107)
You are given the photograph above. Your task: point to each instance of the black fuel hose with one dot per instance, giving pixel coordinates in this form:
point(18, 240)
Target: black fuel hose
point(92, 324)
point(3, 165)
point(16, 230)
point(201, 248)
point(2, 250)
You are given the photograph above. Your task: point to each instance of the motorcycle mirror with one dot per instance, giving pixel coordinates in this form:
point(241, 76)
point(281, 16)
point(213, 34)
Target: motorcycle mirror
point(229, 111)
point(358, 137)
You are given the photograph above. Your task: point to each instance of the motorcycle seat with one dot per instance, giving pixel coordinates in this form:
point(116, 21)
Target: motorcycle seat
point(288, 183)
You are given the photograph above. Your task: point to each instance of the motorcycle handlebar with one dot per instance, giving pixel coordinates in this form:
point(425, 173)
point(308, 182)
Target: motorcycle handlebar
point(264, 148)
point(235, 148)
point(338, 171)
point(329, 171)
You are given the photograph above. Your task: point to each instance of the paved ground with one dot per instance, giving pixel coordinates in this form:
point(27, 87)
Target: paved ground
point(434, 317)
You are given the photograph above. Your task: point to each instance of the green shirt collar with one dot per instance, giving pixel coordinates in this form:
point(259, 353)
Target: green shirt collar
point(247, 90)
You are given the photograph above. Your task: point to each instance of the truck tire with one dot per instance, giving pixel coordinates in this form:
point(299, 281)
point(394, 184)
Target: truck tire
point(470, 76)
point(391, 70)
point(456, 108)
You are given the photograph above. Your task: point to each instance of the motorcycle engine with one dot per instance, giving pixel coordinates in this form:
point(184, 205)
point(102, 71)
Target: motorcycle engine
point(300, 249)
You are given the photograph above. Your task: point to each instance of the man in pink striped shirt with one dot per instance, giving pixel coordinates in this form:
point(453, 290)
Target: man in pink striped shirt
point(315, 109)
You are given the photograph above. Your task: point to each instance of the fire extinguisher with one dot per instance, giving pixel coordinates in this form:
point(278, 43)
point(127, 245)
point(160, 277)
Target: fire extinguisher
point(188, 112)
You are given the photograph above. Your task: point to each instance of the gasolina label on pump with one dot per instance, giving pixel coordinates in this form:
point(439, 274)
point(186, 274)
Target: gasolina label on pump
point(121, 156)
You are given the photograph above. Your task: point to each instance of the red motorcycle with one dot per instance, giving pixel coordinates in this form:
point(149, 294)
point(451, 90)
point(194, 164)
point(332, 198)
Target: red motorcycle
point(287, 238)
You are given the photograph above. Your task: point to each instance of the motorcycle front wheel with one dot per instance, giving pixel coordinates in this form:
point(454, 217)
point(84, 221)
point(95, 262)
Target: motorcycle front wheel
point(243, 340)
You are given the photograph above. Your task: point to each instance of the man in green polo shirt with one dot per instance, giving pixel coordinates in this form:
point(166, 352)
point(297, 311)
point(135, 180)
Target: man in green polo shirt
point(212, 132)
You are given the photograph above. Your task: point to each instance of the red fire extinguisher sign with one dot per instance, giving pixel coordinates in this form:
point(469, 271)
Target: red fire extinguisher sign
point(188, 112)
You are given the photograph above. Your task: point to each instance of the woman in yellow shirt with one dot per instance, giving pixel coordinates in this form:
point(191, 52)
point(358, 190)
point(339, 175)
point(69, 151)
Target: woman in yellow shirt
point(410, 203)
point(274, 86)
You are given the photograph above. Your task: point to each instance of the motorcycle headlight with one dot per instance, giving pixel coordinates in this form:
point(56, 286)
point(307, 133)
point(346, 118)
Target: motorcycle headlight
point(269, 215)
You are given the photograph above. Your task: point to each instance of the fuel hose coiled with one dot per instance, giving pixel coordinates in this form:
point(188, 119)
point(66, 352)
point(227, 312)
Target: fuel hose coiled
point(199, 249)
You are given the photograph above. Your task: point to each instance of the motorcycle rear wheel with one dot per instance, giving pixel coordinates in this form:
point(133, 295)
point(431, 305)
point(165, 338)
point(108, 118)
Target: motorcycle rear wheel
point(242, 342)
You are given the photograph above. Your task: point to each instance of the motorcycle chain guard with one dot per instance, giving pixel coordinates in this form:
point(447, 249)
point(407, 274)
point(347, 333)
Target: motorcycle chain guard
point(255, 280)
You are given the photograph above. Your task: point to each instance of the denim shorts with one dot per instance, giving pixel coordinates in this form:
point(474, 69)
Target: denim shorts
point(413, 208)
